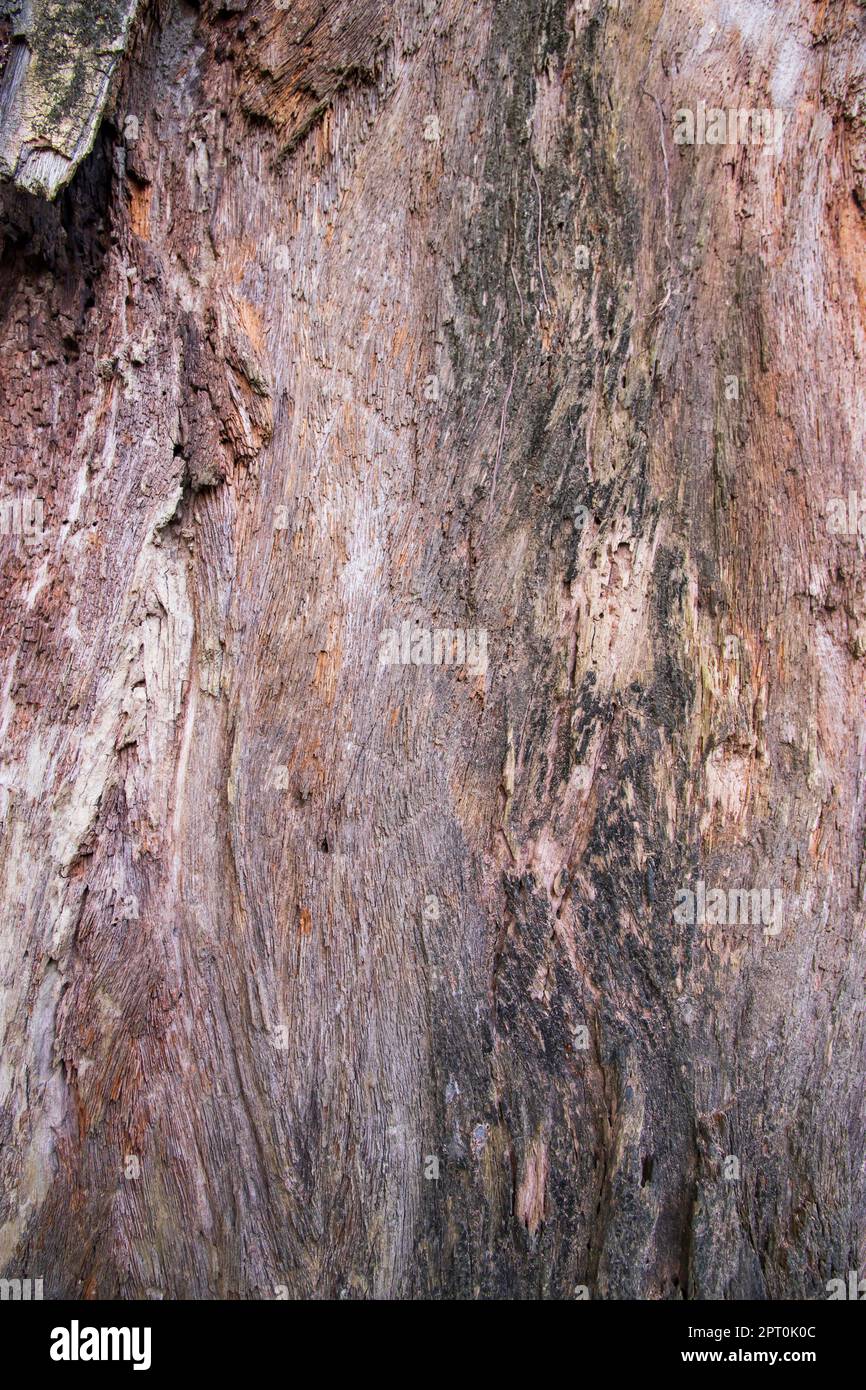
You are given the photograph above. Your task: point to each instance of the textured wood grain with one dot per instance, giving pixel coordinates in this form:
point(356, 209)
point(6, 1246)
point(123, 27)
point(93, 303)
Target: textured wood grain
point(368, 314)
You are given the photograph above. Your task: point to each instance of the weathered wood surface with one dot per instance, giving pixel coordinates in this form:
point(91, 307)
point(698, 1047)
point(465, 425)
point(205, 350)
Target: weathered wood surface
point(308, 349)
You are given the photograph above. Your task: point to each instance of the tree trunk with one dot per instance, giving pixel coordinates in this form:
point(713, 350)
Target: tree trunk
point(328, 972)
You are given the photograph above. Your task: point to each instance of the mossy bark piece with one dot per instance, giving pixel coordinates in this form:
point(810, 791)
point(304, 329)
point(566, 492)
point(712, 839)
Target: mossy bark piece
point(55, 86)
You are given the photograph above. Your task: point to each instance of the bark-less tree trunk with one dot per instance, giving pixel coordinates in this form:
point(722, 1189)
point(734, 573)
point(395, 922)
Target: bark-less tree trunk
point(346, 977)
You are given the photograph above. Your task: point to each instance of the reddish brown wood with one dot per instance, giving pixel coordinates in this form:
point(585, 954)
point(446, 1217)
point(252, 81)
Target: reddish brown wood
point(332, 976)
